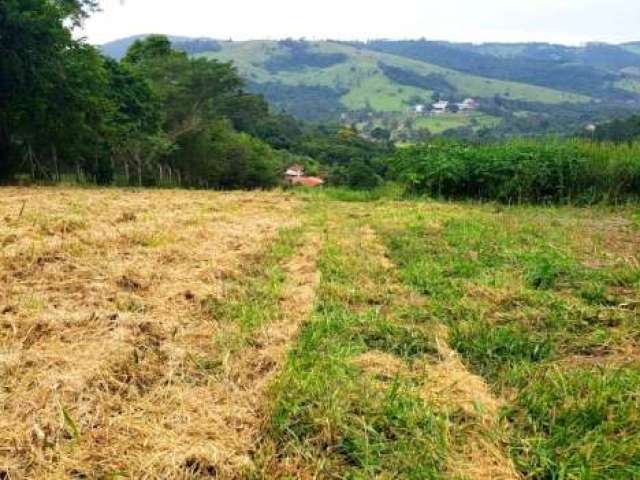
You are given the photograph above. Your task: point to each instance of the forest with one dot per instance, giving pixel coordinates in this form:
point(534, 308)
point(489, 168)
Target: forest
point(160, 117)
point(156, 117)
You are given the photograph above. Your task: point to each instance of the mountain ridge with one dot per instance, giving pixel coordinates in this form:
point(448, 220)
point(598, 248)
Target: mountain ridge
point(518, 85)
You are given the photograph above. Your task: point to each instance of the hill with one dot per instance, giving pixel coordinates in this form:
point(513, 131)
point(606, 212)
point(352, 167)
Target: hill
point(521, 88)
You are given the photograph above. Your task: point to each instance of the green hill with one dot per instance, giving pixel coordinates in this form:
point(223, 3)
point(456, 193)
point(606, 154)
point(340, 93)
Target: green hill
point(520, 88)
point(360, 80)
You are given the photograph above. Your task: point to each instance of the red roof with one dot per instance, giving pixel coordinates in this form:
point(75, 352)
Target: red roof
point(308, 181)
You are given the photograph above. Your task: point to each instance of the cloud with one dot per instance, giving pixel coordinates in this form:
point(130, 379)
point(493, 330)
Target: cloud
point(562, 21)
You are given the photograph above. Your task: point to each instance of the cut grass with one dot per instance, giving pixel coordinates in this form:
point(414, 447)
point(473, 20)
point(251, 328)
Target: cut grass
point(145, 334)
point(329, 417)
point(528, 311)
point(368, 390)
point(123, 369)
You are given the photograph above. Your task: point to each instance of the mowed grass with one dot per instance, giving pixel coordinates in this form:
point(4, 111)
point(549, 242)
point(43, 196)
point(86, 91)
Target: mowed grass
point(129, 321)
point(544, 303)
point(144, 334)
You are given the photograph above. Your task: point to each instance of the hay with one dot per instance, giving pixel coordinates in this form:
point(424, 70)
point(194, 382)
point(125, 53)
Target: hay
point(478, 454)
point(101, 294)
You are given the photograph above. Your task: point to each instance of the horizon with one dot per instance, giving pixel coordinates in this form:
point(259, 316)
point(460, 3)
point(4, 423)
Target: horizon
point(570, 22)
point(372, 39)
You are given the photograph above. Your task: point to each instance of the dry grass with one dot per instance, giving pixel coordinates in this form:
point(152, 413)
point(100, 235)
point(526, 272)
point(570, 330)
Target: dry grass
point(480, 454)
point(101, 295)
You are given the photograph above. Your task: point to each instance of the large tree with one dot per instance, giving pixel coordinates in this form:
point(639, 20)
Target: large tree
point(34, 38)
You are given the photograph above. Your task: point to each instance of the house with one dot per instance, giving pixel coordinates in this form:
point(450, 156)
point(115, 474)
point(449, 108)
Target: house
point(295, 176)
point(468, 105)
point(440, 107)
point(308, 181)
point(294, 171)
point(419, 109)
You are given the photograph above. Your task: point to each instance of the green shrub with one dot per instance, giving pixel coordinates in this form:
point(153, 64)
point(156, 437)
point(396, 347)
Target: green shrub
point(523, 170)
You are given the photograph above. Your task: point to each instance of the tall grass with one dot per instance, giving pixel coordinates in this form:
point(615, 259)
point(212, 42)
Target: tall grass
point(523, 170)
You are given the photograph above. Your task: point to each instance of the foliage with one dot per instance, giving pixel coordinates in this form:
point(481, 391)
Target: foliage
point(521, 170)
point(298, 55)
point(434, 81)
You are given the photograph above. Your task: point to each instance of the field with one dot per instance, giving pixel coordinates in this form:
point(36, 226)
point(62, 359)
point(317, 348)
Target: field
point(364, 81)
point(177, 334)
point(440, 123)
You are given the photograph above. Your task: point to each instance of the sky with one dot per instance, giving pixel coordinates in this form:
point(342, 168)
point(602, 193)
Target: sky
point(558, 21)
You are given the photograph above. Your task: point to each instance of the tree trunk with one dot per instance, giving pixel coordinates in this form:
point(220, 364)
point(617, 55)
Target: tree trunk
point(32, 162)
point(139, 166)
point(6, 168)
point(56, 169)
point(126, 172)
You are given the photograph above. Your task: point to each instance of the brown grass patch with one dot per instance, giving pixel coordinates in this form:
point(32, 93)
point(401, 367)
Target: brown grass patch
point(382, 366)
point(100, 294)
point(477, 449)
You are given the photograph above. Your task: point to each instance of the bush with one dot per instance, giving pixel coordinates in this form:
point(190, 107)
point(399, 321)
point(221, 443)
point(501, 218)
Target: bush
point(540, 171)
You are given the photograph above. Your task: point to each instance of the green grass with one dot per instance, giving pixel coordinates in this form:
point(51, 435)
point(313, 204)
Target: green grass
point(528, 313)
point(331, 417)
point(440, 123)
point(630, 84)
point(365, 83)
point(251, 300)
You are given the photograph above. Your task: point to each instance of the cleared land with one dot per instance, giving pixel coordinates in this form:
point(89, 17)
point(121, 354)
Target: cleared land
point(173, 334)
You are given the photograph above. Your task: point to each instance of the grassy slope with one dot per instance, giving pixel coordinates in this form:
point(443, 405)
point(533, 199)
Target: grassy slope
point(132, 350)
point(543, 303)
point(540, 302)
point(630, 84)
point(440, 123)
point(363, 80)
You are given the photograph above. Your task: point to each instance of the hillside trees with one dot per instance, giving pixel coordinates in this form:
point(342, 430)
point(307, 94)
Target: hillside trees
point(156, 117)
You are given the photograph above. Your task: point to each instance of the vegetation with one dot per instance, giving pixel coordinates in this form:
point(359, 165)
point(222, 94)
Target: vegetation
point(521, 171)
point(537, 302)
point(585, 71)
point(366, 81)
point(156, 117)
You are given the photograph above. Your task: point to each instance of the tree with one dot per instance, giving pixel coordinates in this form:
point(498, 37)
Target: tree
point(381, 134)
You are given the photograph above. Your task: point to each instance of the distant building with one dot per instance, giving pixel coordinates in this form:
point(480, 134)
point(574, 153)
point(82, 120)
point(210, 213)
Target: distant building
point(294, 171)
point(419, 109)
point(440, 107)
point(308, 181)
point(468, 105)
point(295, 176)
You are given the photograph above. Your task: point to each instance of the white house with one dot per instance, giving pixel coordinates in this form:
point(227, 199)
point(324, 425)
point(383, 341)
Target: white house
point(294, 171)
point(468, 105)
point(440, 107)
point(419, 109)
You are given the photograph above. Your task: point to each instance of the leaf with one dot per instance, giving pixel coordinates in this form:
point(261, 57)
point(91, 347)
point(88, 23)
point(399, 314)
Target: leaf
point(69, 422)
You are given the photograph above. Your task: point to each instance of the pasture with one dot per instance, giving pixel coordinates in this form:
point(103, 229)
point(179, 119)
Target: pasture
point(188, 334)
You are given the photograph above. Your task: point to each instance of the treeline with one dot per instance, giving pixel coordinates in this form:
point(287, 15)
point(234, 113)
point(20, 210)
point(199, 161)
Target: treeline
point(299, 56)
point(536, 171)
point(157, 117)
point(618, 130)
point(585, 72)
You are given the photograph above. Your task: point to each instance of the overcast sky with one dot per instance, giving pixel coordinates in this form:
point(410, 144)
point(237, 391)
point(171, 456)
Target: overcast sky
point(561, 21)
